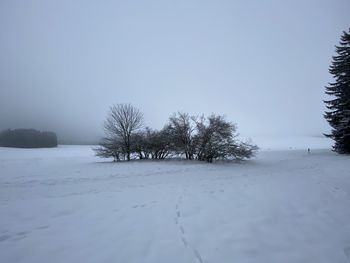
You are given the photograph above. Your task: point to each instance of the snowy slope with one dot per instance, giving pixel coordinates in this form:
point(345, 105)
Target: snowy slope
point(65, 205)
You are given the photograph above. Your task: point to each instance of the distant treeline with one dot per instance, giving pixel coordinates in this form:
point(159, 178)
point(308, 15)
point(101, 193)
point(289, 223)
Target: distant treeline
point(27, 138)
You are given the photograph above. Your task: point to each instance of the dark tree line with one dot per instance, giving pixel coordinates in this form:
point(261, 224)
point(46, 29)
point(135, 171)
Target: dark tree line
point(201, 138)
point(338, 115)
point(27, 138)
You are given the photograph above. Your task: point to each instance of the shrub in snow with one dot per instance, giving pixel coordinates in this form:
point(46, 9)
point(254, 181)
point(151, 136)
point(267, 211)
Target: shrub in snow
point(216, 139)
point(153, 144)
point(182, 129)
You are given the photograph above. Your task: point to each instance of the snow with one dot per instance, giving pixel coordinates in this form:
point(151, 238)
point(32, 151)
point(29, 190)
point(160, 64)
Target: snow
point(66, 205)
point(292, 142)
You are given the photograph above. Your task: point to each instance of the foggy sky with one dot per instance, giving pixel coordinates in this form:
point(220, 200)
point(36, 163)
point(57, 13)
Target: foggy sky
point(263, 64)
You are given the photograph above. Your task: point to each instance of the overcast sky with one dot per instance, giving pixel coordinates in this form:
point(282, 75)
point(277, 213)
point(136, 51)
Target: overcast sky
point(263, 64)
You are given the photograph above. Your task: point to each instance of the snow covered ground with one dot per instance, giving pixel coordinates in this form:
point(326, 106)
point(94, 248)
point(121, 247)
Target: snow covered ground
point(65, 205)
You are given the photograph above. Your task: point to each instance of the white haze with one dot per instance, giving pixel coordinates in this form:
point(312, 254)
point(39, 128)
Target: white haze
point(263, 64)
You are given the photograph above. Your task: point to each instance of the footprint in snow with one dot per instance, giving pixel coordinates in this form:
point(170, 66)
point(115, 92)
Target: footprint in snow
point(63, 213)
point(198, 256)
point(43, 227)
point(23, 233)
point(182, 230)
point(136, 206)
point(184, 241)
point(347, 252)
point(4, 237)
point(20, 235)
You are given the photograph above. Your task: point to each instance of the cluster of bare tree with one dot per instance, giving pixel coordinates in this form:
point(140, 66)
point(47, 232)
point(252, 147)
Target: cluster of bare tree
point(204, 139)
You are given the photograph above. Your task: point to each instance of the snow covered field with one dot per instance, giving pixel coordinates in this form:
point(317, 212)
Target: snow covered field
point(65, 205)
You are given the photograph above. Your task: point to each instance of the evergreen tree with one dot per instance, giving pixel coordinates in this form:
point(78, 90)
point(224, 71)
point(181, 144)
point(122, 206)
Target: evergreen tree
point(338, 115)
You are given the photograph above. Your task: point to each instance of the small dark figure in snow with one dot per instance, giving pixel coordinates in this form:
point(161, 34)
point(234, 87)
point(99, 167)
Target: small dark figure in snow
point(308, 150)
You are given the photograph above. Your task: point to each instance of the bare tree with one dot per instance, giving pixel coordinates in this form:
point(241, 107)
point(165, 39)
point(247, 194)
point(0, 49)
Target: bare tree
point(159, 143)
point(139, 143)
point(216, 139)
point(111, 147)
point(122, 122)
point(182, 128)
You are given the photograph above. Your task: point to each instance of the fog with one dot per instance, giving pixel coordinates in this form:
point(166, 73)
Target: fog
point(263, 64)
